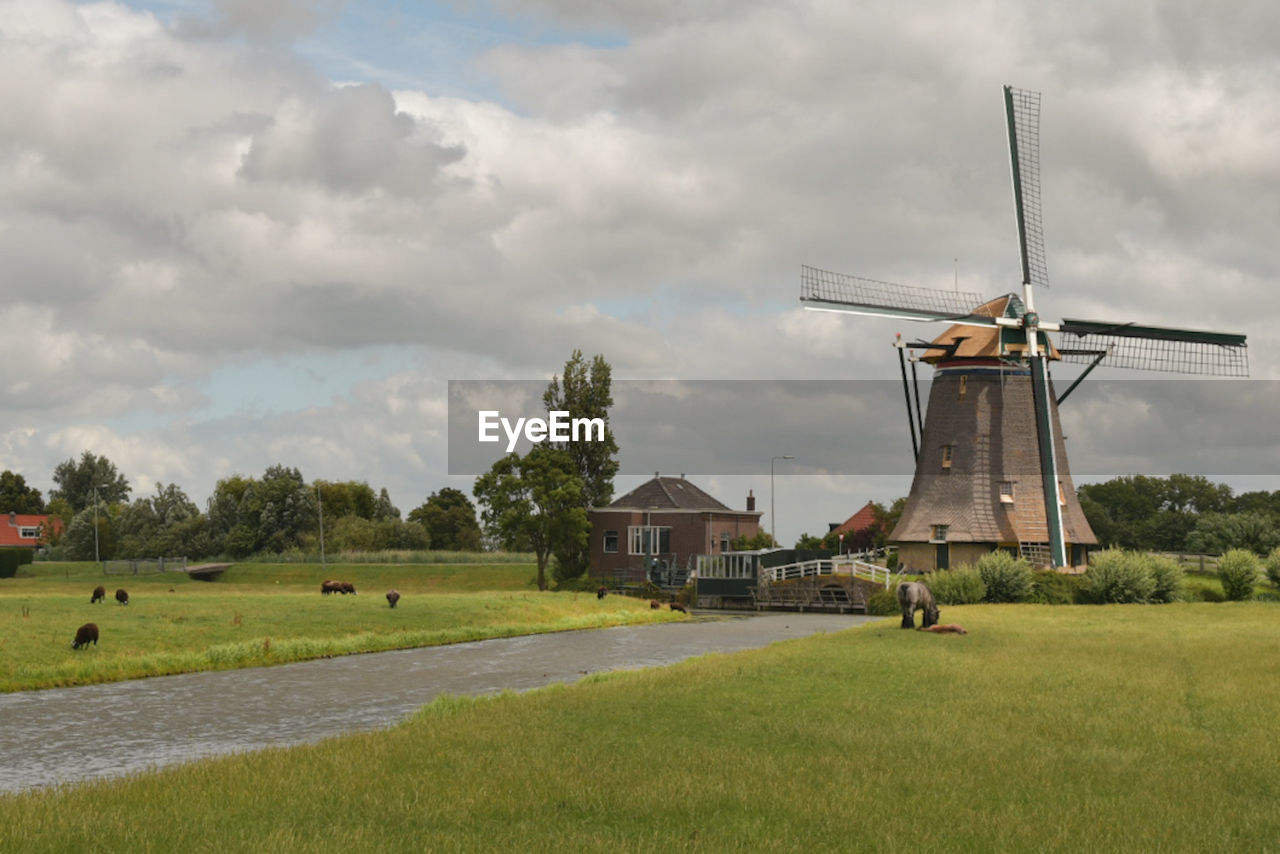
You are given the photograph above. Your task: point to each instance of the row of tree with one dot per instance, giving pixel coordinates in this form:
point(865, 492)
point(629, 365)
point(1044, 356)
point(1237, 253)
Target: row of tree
point(274, 513)
point(1180, 513)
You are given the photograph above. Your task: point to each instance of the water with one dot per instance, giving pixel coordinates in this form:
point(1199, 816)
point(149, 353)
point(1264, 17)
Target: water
point(94, 731)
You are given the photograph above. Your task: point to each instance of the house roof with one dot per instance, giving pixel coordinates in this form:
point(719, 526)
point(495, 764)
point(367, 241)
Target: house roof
point(858, 521)
point(11, 523)
point(668, 493)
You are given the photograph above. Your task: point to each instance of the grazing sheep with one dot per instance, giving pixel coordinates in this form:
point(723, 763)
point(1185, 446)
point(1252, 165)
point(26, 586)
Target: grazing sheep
point(122, 596)
point(602, 592)
point(393, 596)
point(86, 633)
point(654, 604)
point(99, 594)
point(949, 628)
point(327, 587)
point(348, 587)
point(676, 606)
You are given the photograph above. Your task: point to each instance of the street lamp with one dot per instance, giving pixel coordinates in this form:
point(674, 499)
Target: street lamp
point(95, 523)
point(773, 515)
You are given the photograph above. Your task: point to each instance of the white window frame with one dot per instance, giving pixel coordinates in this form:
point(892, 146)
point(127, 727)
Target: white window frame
point(636, 539)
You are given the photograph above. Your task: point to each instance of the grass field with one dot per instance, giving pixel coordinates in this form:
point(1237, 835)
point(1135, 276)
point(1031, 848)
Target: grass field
point(260, 614)
point(1107, 728)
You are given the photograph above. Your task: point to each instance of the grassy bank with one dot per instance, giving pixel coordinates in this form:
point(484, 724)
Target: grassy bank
point(260, 614)
point(1112, 728)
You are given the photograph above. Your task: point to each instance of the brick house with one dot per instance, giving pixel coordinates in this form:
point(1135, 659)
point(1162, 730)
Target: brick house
point(667, 518)
point(26, 529)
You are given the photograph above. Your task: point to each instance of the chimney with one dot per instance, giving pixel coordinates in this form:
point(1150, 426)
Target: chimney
point(751, 501)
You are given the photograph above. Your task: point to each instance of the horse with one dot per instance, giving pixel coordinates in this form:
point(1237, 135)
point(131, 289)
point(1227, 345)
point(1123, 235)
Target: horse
point(914, 596)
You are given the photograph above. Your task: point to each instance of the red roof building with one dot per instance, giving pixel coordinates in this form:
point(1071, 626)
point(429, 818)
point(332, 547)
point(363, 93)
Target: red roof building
point(859, 521)
point(26, 529)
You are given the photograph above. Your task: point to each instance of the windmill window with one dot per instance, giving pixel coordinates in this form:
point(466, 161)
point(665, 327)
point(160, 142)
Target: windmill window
point(938, 533)
point(964, 385)
point(611, 542)
point(948, 451)
point(1062, 496)
point(1006, 491)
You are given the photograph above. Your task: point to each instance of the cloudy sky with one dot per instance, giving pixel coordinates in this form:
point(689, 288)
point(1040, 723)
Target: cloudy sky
point(244, 232)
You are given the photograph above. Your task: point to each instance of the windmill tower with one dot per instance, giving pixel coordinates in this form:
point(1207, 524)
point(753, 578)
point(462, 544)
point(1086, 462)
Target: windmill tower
point(991, 467)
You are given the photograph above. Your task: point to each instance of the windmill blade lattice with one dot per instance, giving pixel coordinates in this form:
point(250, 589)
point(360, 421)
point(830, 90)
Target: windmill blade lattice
point(841, 292)
point(1152, 348)
point(1023, 113)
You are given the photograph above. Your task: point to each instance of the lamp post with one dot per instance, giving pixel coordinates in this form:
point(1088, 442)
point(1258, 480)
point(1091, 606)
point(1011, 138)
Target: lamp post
point(773, 514)
point(320, 509)
point(95, 523)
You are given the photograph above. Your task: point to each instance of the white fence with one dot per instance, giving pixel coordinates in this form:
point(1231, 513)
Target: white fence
point(844, 565)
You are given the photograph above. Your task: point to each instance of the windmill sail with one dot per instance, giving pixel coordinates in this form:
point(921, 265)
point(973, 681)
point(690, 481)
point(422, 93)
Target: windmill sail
point(821, 290)
point(1154, 348)
point(1022, 111)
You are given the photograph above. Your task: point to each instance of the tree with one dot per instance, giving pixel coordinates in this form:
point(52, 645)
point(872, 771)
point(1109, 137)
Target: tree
point(585, 391)
point(451, 518)
point(16, 496)
point(535, 500)
point(762, 540)
point(75, 482)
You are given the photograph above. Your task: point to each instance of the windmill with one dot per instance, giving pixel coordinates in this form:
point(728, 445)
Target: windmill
point(991, 467)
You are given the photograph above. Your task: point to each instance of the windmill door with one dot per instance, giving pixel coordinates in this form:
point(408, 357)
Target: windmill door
point(942, 556)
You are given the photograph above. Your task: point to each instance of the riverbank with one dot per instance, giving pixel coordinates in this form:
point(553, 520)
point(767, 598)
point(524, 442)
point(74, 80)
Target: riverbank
point(1109, 728)
point(262, 614)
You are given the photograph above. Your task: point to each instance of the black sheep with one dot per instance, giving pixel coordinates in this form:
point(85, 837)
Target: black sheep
point(99, 594)
point(122, 596)
point(393, 596)
point(602, 592)
point(86, 633)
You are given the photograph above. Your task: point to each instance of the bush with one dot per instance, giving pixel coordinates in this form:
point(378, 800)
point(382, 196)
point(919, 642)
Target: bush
point(1056, 588)
point(1118, 576)
point(960, 586)
point(884, 603)
point(1238, 571)
point(1008, 578)
point(1168, 577)
point(11, 559)
point(1272, 565)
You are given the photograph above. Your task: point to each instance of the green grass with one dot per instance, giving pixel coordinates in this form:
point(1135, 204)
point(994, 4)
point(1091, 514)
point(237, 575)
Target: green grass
point(1109, 728)
point(260, 614)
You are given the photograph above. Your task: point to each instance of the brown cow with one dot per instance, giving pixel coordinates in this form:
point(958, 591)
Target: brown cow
point(393, 596)
point(99, 594)
point(122, 596)
point(948, 628)
point(86, 633)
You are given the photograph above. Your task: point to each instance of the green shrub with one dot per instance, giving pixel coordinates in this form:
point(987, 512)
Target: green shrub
point(1168, 577)
point(1272, 565)
point(1118, 576)
point(1008, 578)
point(1238, 571)
point(1056, 588)
point(11, 559)
point(1210, 594)
point(960, 586)
point(883, 603)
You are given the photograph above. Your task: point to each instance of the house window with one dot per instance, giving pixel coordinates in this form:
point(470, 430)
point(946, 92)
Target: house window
point(649, 539)
point(611, 542)
point(948, 451)
point(1006, 492)
point(938, 533)
point(724, 542)
point(29, 532)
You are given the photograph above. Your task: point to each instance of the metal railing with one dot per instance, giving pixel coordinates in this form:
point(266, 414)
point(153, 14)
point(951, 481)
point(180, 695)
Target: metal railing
point(143, 566)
